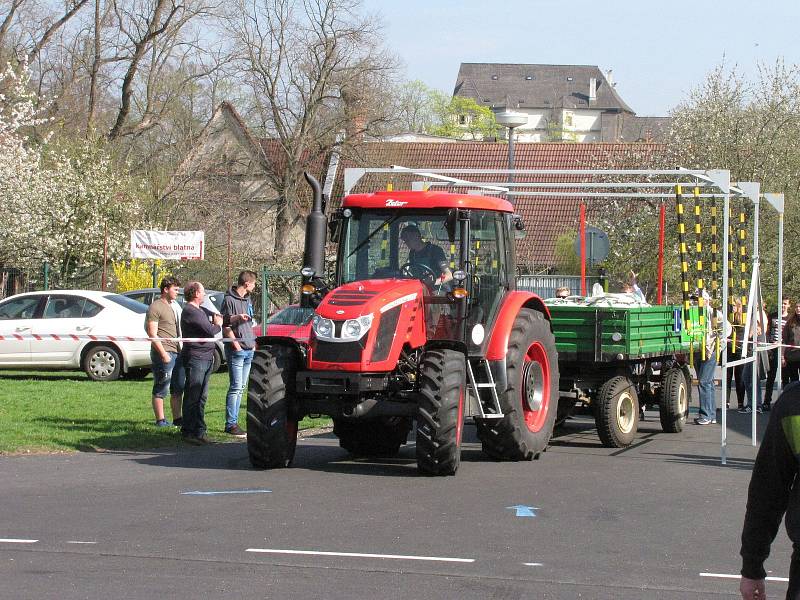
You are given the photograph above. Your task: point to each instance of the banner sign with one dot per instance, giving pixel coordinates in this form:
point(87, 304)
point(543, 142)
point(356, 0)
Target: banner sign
point(167, 245)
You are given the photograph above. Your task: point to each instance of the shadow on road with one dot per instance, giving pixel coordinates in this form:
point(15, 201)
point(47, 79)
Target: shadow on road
point(745, 464)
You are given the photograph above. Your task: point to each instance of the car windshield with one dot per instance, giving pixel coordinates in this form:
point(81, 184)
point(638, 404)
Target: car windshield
point(291, 315)
point(128, 303)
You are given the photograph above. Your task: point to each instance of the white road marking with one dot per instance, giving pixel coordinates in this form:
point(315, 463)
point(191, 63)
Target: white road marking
point(533, 564)
point(16, 541)
point(77, 542)
point(211, 493)
point(731, 576)
point(360, 555)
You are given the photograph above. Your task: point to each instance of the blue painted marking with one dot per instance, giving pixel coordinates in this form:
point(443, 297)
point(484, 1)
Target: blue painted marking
point(199, 493)
point(523, 511)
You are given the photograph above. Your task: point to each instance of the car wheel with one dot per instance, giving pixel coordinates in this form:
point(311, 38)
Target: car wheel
point(102, 363)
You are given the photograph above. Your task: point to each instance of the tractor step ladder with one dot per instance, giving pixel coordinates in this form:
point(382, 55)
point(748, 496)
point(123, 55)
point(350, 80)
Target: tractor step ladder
point(488, 384)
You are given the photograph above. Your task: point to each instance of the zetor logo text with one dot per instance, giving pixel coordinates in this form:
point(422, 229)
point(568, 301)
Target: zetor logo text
point(391, 202)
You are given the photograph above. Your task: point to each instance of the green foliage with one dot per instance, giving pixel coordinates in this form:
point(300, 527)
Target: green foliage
point(568, 262)
point(458, 117)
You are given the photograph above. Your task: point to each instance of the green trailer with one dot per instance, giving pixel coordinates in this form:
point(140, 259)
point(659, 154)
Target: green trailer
point(616, 358)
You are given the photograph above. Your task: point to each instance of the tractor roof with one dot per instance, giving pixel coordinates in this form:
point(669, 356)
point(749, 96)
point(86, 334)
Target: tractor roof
point(425, 200)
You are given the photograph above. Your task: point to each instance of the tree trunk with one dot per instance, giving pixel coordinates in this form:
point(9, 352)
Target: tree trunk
point(285, 220)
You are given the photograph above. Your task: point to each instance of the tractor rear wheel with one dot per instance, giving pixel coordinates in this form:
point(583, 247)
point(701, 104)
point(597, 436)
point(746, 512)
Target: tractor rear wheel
point(381, 437)
point(271, 414)
point(530, 402)
point(440, 418)
point(673, 401)
point(617, 412)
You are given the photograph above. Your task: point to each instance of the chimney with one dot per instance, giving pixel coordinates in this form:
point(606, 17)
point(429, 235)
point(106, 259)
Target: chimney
point(592, 90)
point(610, 78)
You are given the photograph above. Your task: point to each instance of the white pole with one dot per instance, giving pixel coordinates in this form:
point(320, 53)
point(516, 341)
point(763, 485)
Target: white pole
point(724, 185)
point(779, 353)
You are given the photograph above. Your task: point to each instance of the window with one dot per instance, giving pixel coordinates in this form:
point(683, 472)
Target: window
point(19, 308)
point(143, 297)
point(569, 78)
point(462, 119)
point(128, 303)
point(292, 315)
point(70, 307)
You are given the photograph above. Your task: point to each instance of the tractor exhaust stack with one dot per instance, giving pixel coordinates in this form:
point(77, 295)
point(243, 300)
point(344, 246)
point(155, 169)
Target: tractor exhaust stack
point(316, 229)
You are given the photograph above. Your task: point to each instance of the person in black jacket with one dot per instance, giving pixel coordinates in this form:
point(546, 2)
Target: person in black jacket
point(773, 492)
point(197, 322)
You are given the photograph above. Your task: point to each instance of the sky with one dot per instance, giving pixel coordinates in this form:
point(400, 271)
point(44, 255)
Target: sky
point(658, 51)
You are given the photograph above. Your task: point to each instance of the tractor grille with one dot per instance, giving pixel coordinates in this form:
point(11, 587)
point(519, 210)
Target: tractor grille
point(338, 352)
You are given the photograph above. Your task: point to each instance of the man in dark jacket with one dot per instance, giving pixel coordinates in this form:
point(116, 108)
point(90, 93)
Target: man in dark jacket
point(774, 492)
point(198, 357)
point(237, 321)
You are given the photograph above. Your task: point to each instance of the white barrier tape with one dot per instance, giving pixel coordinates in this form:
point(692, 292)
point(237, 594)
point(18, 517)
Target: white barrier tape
point(42, 337)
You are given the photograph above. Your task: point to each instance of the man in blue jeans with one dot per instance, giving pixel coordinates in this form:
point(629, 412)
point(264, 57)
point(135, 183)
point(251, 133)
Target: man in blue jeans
point(718, 329)
point(237, 321)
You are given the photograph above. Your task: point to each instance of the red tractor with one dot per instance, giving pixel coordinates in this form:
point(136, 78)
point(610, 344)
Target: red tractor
point(421, 323)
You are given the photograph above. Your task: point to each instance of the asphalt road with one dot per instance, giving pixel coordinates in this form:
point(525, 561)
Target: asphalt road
point(644, 522)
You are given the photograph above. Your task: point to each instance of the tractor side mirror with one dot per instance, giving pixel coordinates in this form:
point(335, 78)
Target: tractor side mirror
point(450, 224)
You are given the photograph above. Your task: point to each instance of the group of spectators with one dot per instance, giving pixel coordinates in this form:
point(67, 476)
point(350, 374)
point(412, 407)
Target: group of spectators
point(183, 368)
point(779, 327)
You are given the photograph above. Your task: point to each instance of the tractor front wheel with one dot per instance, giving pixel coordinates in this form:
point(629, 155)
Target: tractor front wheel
point(440, 418)
point(530, 402)
point(271, 414)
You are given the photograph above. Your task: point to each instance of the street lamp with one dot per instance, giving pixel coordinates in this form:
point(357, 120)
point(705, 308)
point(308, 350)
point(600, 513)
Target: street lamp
point(510, 119)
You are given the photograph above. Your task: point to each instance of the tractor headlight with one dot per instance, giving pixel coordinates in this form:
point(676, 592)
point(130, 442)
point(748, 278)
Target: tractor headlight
point(354, 329)
point(323, 328)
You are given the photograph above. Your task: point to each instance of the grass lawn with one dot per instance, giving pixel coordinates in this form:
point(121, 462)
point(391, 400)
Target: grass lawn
point(50, 411)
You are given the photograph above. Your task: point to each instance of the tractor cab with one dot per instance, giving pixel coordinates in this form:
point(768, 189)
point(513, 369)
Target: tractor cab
point(454, 250)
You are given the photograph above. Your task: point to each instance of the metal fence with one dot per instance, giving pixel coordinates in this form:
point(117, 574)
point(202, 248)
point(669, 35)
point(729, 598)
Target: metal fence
point(546, 285)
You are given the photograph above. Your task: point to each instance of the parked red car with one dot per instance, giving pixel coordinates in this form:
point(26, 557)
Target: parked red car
point(292, 321)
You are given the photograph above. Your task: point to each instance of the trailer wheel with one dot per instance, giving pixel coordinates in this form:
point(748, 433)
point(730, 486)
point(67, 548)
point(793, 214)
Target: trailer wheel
point(530, 402)
point(673, 401)
point(440, 418)
point(380, 437)
point(271, 416)
point(617, 412)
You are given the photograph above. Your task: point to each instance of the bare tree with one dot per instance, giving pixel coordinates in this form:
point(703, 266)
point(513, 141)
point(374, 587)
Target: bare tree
point(314, 68)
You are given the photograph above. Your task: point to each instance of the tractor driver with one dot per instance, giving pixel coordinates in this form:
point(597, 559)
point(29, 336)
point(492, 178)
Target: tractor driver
point(426, 260)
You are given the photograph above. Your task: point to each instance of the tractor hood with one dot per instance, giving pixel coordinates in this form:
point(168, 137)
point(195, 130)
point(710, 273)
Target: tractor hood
point(371, 296)
point(363, 326)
